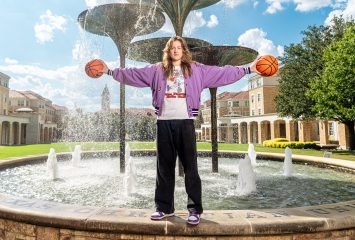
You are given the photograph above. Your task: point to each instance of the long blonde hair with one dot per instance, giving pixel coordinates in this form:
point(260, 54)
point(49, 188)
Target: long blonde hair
point(186, 59)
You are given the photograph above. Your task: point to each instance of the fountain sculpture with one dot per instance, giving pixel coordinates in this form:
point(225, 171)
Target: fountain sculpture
point(29, 218)
point(122, 22)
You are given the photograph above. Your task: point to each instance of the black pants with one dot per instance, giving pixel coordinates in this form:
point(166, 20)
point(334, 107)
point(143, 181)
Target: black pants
point(177, 138)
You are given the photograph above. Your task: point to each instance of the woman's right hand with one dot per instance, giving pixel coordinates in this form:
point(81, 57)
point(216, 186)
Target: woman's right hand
point(253, 66)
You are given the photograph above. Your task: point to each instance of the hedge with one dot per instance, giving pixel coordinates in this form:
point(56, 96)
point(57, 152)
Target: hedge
point(283, 143)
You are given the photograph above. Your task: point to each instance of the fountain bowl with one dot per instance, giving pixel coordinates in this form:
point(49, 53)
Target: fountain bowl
point(37, 219)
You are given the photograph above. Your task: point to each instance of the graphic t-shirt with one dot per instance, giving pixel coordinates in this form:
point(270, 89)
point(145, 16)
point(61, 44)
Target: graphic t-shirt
point(174, 106)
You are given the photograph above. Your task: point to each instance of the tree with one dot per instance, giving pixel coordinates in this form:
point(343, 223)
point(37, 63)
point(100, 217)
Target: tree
point(333, 92)
point(302, 63)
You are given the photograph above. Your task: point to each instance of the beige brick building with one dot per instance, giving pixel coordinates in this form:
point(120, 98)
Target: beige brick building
point(229, 105)
point(26, 117)
point(262, 122)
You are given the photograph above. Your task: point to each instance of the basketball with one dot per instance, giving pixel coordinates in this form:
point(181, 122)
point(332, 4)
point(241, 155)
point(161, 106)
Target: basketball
point(267, 65)
point(94, 67)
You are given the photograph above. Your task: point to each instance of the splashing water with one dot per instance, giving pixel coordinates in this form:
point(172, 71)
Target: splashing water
point(287, 167)
point(246, 178)
point(252, 155)
point(52, 164)
point(130, 177)
point(76, 156)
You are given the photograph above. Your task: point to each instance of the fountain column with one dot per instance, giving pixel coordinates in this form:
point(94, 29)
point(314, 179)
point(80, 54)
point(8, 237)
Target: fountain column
point(178, 10)
point(221, 56)
point(121, 22)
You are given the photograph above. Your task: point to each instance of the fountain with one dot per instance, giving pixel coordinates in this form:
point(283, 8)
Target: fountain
point(76, 156)
point(246, 177)
point(252, 154)
point(202, 52)
point(52, 165)
point(130, 178)
point(278, 207)
point(35, 211)
point(288, 168)
point(122, 22)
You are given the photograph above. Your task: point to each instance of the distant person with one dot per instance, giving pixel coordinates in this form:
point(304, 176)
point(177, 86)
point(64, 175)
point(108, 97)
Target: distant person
point(176, 84)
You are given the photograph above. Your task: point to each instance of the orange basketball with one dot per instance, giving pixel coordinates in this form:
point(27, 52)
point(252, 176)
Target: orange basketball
point(94, 67)
point(267, 65)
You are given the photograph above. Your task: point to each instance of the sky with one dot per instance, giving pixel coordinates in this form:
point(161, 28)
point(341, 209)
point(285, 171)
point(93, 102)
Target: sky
point(44, 49)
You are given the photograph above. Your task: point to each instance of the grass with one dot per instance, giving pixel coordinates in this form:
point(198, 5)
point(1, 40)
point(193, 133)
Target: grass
point(34, 149)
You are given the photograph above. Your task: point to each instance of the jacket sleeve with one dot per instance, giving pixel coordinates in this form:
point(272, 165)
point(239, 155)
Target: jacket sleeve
point(137, 77)
point(214, 76)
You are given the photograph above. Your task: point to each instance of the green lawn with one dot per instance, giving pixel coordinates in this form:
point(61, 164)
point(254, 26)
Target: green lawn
point(24, 150)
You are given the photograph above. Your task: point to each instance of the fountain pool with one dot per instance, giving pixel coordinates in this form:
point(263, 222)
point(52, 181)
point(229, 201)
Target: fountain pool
point(98, 182)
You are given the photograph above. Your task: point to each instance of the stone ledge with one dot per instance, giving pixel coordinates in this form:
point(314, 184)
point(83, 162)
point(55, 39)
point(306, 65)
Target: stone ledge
point(218, 223)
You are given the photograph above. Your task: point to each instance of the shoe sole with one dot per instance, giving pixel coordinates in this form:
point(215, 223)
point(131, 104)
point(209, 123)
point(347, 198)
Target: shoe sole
point(165, 216)
point(193, 223)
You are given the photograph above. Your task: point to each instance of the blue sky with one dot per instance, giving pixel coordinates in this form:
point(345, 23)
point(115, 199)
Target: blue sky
point(43, 49)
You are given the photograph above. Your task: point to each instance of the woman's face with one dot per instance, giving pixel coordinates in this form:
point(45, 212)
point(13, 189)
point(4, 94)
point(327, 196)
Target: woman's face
point(176, 51)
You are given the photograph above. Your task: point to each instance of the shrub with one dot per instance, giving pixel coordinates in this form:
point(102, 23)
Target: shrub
point(283, 143)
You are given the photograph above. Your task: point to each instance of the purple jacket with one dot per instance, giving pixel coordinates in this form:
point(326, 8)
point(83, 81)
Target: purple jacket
point(203, 76)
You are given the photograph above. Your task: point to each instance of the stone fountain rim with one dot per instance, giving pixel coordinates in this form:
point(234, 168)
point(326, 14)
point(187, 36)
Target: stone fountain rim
point(257, 222)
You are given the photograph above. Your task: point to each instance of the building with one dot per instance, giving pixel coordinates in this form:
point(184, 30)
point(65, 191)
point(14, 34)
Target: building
point(26, 117)
point(229, 105)
point(105, 100)
point(262, 122)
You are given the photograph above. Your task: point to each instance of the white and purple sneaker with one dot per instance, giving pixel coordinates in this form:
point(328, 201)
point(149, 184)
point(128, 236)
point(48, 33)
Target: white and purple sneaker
point(160, 215)
point(193, 218)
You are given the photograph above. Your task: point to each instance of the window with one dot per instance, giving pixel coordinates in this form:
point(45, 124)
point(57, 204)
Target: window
point(246, 103)
point(252, 112)
point(21, 103)
point(252, 98)
point(259, 111)
point(236, 104)
point(258, 82)
point(331, 128)
point(259, 97)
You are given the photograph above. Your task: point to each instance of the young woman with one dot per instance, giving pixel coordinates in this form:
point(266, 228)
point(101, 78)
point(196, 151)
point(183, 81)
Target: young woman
point(176, 84)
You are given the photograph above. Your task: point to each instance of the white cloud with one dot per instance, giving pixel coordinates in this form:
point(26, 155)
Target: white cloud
point(349, 10)
point(233, 3)
point(346, 10)
point(256, 38)
point(193, 21)
point(310, 5)
point(274, 6)
point(44, 30)
point(345, 7)
point(10, 61)
point(213, 21)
